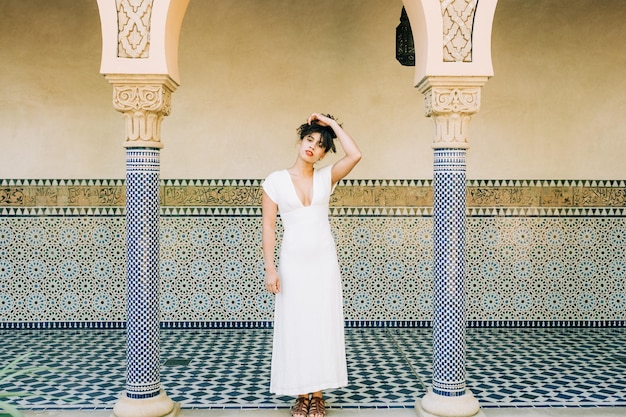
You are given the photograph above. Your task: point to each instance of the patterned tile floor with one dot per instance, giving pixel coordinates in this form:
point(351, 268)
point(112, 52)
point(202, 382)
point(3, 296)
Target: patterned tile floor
point(388, 368)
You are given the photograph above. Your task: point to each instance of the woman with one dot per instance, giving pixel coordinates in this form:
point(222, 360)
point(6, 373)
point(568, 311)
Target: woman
point(309, 348)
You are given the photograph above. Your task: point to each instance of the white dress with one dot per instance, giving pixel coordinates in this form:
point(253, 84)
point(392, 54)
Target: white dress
point(309, 345)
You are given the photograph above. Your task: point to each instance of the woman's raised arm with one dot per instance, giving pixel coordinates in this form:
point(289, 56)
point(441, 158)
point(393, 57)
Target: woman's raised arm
point(352, 155)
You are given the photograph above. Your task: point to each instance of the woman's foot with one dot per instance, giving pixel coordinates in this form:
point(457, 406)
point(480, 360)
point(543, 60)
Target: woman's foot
point(317, 407)
point(301, 407)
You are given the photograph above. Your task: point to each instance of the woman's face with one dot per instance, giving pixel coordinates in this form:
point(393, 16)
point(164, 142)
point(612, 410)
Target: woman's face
point(311, 149)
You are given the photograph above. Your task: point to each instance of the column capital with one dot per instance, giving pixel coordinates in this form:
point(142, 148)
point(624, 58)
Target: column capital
point(143, 100)
point(451, 101)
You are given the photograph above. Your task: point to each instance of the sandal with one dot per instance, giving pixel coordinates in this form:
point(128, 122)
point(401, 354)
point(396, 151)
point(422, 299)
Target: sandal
point(301, 407)
point(317, 407)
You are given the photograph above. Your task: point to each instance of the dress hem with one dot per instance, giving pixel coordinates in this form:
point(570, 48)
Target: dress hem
point(320, 387)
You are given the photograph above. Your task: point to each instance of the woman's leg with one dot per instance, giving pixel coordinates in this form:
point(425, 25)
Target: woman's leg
point(301, 407)
point(317, 408)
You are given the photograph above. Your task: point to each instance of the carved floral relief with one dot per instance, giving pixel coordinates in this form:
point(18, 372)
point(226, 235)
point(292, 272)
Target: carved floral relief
point(133, 22)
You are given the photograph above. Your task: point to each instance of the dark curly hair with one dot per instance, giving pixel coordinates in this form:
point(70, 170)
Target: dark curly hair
point(327, 134)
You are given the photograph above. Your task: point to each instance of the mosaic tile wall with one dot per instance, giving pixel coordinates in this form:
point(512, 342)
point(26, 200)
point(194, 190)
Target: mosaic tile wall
point(538, 252)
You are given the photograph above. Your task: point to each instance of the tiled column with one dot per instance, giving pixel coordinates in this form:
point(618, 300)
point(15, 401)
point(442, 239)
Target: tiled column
point(450, 101)
point(144, 101)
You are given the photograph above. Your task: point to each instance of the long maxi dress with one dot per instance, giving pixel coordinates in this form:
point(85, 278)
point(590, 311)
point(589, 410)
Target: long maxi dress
point(309, 345)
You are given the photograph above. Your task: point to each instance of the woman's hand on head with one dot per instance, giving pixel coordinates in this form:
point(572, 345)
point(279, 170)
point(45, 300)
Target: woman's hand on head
point(321, 119)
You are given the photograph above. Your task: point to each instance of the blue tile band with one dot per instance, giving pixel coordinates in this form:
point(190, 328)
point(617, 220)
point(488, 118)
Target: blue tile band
point(351, 324)
point(449, 273)
point(142, 238)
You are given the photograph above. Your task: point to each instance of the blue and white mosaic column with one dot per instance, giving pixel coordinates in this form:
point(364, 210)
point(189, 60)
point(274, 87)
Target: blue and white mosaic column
point(450, 106)
point(143, 101)
point(142, 240)
point(449, 272)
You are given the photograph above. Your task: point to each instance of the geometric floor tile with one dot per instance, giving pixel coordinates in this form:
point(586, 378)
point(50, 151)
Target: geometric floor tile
point(387, 367)
point(517, 367)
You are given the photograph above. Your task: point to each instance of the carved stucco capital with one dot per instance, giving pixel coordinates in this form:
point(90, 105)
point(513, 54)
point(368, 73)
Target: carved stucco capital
point(451, 104)
point(143, 102)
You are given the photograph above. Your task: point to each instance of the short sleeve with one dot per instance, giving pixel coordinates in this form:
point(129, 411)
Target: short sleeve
point(269, 186)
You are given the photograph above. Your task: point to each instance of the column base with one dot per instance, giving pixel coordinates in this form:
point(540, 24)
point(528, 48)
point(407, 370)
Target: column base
point(159, 406)
point(434, 405)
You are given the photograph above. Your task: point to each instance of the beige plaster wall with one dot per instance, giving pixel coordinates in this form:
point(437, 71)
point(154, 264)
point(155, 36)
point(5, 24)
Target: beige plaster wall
point(555, 107)
point(56, 116)
point(252, 70)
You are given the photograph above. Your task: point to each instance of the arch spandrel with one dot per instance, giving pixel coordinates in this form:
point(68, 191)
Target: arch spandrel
point(451, 37)
point(149, 44)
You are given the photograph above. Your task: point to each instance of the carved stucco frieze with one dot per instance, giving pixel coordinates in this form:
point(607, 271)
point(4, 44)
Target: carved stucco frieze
point(143, 107)
point(458, 25)
point(11, 196)
point(599, 196)
point(451, 110)
point(572, 196)
point(133, 25)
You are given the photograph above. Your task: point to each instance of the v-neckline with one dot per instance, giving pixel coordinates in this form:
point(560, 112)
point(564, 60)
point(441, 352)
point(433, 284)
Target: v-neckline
point(295, 190)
